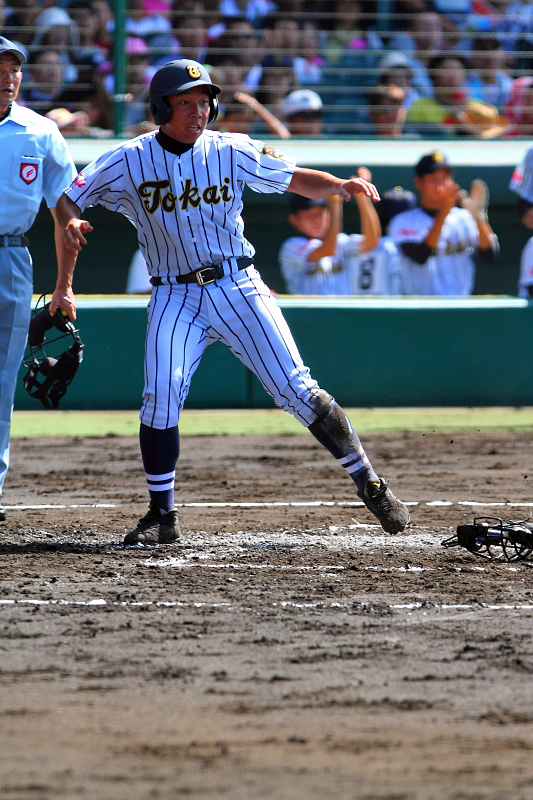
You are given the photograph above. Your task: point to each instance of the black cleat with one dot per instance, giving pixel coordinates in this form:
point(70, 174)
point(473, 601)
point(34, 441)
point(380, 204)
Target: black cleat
point(3, 514)
point(391, 512)
point(155, 528)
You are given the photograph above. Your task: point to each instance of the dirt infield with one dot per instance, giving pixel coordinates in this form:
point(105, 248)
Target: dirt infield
point(280, 652)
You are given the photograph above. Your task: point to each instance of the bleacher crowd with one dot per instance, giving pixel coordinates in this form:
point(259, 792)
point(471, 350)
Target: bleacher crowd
point(321, 68)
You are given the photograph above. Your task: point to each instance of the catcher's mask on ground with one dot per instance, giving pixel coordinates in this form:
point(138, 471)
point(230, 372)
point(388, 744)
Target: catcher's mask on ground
point(48, 376)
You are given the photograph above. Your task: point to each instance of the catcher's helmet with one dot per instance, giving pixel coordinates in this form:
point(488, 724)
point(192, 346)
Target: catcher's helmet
point(393, 202)
point(47, 377)
point(175, 77)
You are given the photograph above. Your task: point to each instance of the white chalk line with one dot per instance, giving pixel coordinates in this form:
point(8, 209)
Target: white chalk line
point(100, 602)
point(277, 504)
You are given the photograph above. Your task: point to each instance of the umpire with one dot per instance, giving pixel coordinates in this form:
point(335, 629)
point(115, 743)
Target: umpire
point(35, 164)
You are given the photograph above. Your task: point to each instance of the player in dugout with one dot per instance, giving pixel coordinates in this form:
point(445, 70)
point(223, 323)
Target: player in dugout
point(437, 240)
point(182, 188)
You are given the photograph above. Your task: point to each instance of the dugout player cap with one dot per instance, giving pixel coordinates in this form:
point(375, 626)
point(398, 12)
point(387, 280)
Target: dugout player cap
point(299, 203)
point(175, 77)
point(431, 162)
point(393, 202)
point(10, 47)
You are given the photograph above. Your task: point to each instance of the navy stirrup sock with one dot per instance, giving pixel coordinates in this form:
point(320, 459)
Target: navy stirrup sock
point(160, 450)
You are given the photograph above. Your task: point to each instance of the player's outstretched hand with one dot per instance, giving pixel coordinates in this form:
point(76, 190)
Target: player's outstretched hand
point(64, 298)
point(348, 189)
point(74, 238)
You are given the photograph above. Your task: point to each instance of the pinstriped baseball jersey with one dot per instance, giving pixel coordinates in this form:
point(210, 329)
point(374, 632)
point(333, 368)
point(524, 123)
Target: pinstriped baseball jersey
point(522, 178)
point(378, 271)
point(186, 208)
point(451, 270)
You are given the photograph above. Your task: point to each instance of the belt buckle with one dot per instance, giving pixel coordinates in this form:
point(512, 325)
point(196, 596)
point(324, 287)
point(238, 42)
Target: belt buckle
point(199, 279)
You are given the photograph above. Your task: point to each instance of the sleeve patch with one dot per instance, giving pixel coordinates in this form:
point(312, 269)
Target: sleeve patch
point(268, 150)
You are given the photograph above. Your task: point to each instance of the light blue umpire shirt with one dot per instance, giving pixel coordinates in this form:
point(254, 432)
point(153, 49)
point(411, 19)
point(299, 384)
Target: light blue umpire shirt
point(35, 163)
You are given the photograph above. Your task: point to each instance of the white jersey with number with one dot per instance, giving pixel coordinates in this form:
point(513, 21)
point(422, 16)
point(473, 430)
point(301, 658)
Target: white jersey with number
point(187, 211)
point(451, 270)
point(310, 277)
point(522, 178)
point(525, 282)
point(376, 272)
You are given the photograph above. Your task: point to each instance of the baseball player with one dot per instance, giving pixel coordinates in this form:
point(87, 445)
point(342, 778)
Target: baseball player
point(35, 164)
point(311, 263)
point(437, 239)
point(378, 270)
point(182, 188)
point(522, 184)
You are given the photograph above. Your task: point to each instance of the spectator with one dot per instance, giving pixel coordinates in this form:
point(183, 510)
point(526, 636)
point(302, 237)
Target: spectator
point(45, 88)
point(137, 82)
point(386, 110)
point(451, 111)
point(437, 240)
point(519, 109)
point(239, 44)
point(252, 10)
point(191, 33)
point(421, 43)
point(144, 25)
point(302, 111)
point(307, 61)
point(55, 29)
point(88, 55)
point(76, 125)
point(103, 36)
point(488, 81)
point(20, 20)
point(395, 68)
point(276, 82)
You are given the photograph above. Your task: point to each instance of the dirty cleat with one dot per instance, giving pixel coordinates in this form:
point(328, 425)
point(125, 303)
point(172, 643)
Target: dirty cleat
point(155, 528)
point(391, 512)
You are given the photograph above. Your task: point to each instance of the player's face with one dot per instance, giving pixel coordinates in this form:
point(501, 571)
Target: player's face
point(190, 112)
point(10, 78)
point(431, 187)
point(312, 222)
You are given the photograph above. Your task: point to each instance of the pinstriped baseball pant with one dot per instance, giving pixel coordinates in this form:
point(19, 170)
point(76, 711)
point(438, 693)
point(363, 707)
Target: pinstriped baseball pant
point(239, 311)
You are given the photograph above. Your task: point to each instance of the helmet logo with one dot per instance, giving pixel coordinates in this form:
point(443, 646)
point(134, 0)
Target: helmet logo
point(193, 71)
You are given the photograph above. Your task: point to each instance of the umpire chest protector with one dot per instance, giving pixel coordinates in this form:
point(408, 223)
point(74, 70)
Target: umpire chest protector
point(175, 77)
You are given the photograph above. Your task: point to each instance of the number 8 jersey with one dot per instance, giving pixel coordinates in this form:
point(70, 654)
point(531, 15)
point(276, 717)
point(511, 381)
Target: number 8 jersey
point(376, 272)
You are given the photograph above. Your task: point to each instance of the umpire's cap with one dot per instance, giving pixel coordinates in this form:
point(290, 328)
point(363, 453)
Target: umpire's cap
point(431, 162)
point(10, 47)
point(393, 202)
point(175, 77)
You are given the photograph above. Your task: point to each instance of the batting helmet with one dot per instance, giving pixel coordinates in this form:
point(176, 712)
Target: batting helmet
point(175, 77)
point(393, 202)
point(48, 376)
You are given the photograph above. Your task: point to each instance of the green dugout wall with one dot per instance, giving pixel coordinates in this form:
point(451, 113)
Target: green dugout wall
point(387, 352)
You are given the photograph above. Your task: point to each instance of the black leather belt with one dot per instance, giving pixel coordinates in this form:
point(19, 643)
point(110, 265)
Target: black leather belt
point(204, 275)
point(13, 240)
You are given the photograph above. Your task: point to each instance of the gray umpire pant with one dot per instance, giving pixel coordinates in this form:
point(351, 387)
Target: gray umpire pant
point(16, 287)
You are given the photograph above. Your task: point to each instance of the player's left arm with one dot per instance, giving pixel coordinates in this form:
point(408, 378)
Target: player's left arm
point(477, 202)
point(370, 224)
point(315, 184)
